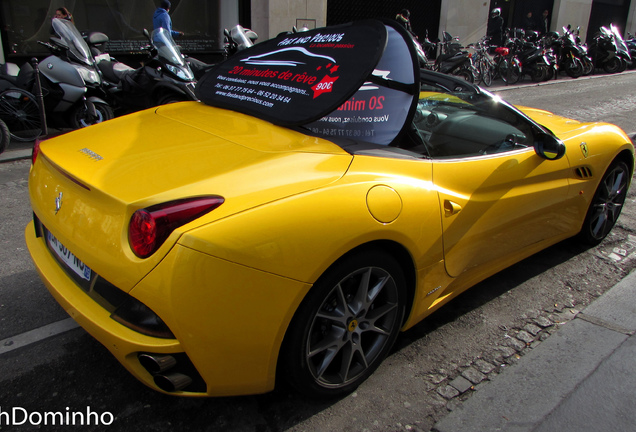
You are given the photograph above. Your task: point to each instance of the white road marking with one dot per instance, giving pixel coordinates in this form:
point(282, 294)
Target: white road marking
point(37, 335)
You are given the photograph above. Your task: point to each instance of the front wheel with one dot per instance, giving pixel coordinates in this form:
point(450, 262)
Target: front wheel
point(346, 325)
point(574, 67)
point(81, 116)
point(606, 204)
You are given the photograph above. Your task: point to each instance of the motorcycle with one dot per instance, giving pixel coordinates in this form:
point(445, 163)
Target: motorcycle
point(605, 51)
point(239, 38)
point(536, 60)
point(622, 50)
point(164, 76)
point(236, 39)
point(453, 59)
point(568, 54)
point(69, 80)
point(630, 42)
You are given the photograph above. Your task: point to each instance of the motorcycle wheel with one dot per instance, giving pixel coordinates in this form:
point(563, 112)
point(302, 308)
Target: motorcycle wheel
point(467, 75)
point(539, 74)
point(574, 68)
point(623, 65)
point(21, 113)
point(170, 98)
point(613, 65)
point(80, 117)
point(5, 137)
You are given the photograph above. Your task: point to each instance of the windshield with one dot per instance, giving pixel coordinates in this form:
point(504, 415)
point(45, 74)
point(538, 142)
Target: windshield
point(166, 47)
point(66, 31)
point(620, 43)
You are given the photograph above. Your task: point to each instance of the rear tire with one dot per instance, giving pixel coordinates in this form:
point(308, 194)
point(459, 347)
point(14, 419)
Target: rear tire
point(345, 326)
point(170, 98)
point(606, 204)
point(613, 65)
point(467, 75)
point(80, 117)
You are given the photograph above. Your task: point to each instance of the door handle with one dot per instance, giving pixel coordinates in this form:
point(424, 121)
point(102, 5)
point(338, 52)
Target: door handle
point(451, 208)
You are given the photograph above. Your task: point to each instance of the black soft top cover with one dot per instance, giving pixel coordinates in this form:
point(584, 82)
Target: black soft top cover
point(358, 80)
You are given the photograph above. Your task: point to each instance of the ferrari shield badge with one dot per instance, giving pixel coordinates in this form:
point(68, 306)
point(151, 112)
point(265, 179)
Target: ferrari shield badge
point(584, 149)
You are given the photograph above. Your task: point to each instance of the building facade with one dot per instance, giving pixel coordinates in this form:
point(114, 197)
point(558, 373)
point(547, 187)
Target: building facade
point(24, 22)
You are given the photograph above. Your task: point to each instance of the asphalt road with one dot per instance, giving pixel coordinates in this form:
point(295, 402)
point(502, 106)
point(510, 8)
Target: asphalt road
point(478, 332)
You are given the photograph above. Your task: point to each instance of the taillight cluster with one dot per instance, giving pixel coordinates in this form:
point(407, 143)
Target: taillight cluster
point(35, 151)
point(150, 227)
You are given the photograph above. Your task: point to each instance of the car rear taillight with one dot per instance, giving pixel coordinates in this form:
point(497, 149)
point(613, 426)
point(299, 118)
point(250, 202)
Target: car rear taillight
point(36, 151)
point(151, 226)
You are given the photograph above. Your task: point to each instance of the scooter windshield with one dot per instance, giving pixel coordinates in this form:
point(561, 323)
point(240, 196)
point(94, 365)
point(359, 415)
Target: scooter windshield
point(77, 46)
point(166, 47)
point(170, 55)
point(620, 43)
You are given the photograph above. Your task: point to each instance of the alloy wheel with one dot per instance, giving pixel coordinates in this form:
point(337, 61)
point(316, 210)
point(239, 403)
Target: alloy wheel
point(607, 203)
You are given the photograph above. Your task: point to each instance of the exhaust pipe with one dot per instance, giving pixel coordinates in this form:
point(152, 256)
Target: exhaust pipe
point(157, 363)
point(172, 382)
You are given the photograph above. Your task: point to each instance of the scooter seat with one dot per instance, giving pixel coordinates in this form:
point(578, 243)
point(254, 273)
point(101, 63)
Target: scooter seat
point(114, 72)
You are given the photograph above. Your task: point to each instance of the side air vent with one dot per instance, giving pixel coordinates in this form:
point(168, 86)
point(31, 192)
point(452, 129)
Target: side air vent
point(584, 172)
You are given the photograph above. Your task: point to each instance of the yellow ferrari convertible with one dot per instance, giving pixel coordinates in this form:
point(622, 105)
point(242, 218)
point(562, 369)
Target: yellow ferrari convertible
point(323, 195)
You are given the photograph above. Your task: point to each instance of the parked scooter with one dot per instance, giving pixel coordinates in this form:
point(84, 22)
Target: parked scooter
point(605, 52)
point(622, 50)
point(630, 42)
point(536, 61)
point(70, 83)
point(164, 76)
point(568, 54)
point(239, 38)
point(454, 59)
point(236, 39)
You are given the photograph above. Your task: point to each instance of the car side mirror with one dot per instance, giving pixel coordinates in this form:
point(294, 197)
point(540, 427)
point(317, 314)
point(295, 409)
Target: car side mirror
point(548, 146)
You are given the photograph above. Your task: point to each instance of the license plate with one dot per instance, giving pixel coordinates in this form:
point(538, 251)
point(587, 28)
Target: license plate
point(67, 257)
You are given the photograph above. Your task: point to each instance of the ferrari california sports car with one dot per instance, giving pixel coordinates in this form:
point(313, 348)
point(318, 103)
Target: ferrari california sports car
point(322, 196)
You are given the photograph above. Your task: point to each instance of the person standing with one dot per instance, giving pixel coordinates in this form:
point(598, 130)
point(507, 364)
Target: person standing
point(495, 27)
point(161, 18)
point(545, 25)
point(528, 23)
point(404, 18)
point(63, 13)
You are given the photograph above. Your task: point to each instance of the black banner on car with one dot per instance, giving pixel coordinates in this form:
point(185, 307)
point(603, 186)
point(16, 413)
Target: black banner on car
point(357, 80)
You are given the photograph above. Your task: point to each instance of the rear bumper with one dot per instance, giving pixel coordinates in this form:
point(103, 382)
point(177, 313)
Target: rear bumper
point(229, 320)
point(122, 342)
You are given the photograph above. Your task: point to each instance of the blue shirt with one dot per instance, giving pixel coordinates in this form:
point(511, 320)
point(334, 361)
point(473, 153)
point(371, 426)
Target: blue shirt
point(161, 18)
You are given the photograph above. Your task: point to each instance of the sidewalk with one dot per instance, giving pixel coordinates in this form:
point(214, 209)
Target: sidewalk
point(582, 378)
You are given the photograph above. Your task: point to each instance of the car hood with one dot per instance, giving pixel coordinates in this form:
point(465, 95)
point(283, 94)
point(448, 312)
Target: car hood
point(557, 124)
point(108, 171)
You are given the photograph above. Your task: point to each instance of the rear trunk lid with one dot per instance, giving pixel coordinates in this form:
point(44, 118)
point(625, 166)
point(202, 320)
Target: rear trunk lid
point(86, 185)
